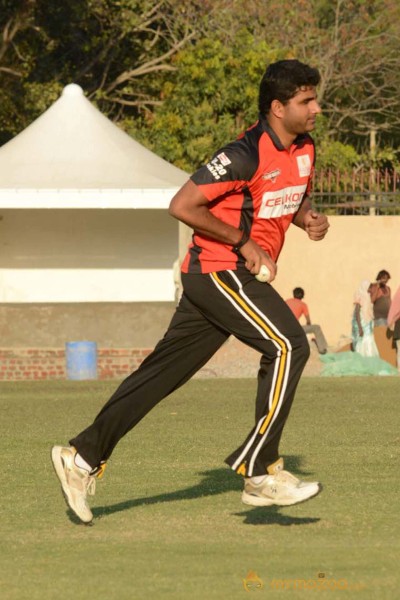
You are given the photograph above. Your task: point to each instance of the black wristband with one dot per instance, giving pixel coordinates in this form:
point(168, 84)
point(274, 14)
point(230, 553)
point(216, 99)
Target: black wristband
point(245, 238)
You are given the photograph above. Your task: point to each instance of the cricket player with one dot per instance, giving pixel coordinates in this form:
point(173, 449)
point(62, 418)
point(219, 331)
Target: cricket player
point(240, 205)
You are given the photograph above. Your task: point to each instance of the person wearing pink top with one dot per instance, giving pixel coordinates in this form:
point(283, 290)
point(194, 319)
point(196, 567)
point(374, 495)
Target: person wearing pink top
point(394, 322)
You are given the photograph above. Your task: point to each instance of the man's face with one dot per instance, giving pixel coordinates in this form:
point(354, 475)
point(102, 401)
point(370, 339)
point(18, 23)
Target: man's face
point(299, 114)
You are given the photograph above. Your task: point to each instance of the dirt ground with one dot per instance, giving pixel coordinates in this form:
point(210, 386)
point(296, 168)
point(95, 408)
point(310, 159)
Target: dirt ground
point(236, 360)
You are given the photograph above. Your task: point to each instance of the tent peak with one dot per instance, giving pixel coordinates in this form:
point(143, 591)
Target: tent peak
point(72, 90)
point(72, 145)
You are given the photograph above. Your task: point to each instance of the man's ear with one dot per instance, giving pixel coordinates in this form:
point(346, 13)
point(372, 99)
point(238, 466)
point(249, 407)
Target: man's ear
point(277, 109)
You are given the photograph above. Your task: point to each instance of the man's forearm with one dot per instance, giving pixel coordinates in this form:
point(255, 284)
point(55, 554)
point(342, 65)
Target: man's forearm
point(298, 219)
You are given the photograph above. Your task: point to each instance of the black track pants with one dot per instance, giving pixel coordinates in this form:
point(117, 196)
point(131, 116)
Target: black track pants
point(212, 307)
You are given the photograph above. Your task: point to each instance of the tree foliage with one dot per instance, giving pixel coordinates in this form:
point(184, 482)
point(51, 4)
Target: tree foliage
point(118, 51)
point(354, 43)
point(209, 98)
point(183, 77)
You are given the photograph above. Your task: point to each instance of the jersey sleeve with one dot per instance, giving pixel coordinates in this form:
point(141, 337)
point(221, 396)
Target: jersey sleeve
point(229, 170)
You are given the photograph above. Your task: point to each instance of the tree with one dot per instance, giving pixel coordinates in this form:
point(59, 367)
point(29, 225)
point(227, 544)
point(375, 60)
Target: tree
point(209, 98)
point(117, 50)
point(354, 43)
point(361, 69)
point(181, 76)
point(19, 35)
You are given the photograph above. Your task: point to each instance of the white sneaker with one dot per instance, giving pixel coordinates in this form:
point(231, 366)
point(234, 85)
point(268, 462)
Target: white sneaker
point(278, 487)
point(76, 483)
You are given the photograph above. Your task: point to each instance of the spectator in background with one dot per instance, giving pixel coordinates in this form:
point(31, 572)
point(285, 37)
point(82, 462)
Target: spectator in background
point(394, 323)
point(363, 322)
point(299, 309)
point(380, 298)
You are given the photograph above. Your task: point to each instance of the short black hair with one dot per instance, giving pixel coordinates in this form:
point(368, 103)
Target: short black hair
point(298, 293)
point(382, 274)
point(282, 80)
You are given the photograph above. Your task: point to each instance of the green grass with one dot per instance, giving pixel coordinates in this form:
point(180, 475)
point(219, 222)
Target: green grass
point(169, 523)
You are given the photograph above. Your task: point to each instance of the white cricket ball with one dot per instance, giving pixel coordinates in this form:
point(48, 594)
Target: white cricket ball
point(264, 274)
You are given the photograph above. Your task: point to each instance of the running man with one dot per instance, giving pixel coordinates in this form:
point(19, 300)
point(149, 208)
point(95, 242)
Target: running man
point(239, 205)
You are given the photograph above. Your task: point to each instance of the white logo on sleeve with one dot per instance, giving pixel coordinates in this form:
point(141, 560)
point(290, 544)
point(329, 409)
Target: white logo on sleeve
point(217, 167)
point(281, 202)
point(224, 159)
point(304, 165)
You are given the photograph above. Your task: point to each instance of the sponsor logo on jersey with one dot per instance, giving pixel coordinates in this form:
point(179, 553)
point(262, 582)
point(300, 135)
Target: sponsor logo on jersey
point(304, 165)
point(281, 202)
point(224, 159)
point(216, 167)
point(272, 175)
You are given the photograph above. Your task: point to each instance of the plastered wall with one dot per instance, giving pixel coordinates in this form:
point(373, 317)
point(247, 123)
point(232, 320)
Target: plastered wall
point(87, 256)
point(330, 271)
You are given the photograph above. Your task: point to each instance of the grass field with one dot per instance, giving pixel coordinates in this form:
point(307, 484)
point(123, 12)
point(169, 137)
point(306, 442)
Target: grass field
point(169, 523)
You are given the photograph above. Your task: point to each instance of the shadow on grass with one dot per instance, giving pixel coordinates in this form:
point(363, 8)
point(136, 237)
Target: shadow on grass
point(214, 482)
point(270, 515)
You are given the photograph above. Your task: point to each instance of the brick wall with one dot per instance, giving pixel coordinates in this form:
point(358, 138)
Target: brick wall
point(232, 360)
point(18, 364)
point(119, 362)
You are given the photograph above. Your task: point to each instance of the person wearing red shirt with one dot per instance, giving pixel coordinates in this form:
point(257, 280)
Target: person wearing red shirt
point(239, 205)
point(299, 309)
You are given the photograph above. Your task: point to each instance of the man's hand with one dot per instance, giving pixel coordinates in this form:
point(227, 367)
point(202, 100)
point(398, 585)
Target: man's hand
point(255, 256)
point(315, 225)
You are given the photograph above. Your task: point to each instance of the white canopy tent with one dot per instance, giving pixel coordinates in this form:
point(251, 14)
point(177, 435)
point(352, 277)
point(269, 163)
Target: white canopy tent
point(73, 147)
point(69, 161)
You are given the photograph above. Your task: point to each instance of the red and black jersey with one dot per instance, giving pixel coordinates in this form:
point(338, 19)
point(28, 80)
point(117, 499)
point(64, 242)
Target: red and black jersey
point(256, 184)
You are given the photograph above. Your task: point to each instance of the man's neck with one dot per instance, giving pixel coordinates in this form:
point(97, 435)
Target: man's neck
point(284, 137)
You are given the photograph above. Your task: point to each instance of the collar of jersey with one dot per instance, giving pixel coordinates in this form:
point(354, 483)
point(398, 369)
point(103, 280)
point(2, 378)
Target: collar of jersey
point(275, 140)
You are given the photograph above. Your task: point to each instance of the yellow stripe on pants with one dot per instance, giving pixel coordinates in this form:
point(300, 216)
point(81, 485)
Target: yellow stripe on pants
point(271, 334)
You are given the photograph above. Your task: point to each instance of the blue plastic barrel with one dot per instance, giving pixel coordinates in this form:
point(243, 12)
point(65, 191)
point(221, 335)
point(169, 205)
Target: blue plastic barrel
point(81, 360)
